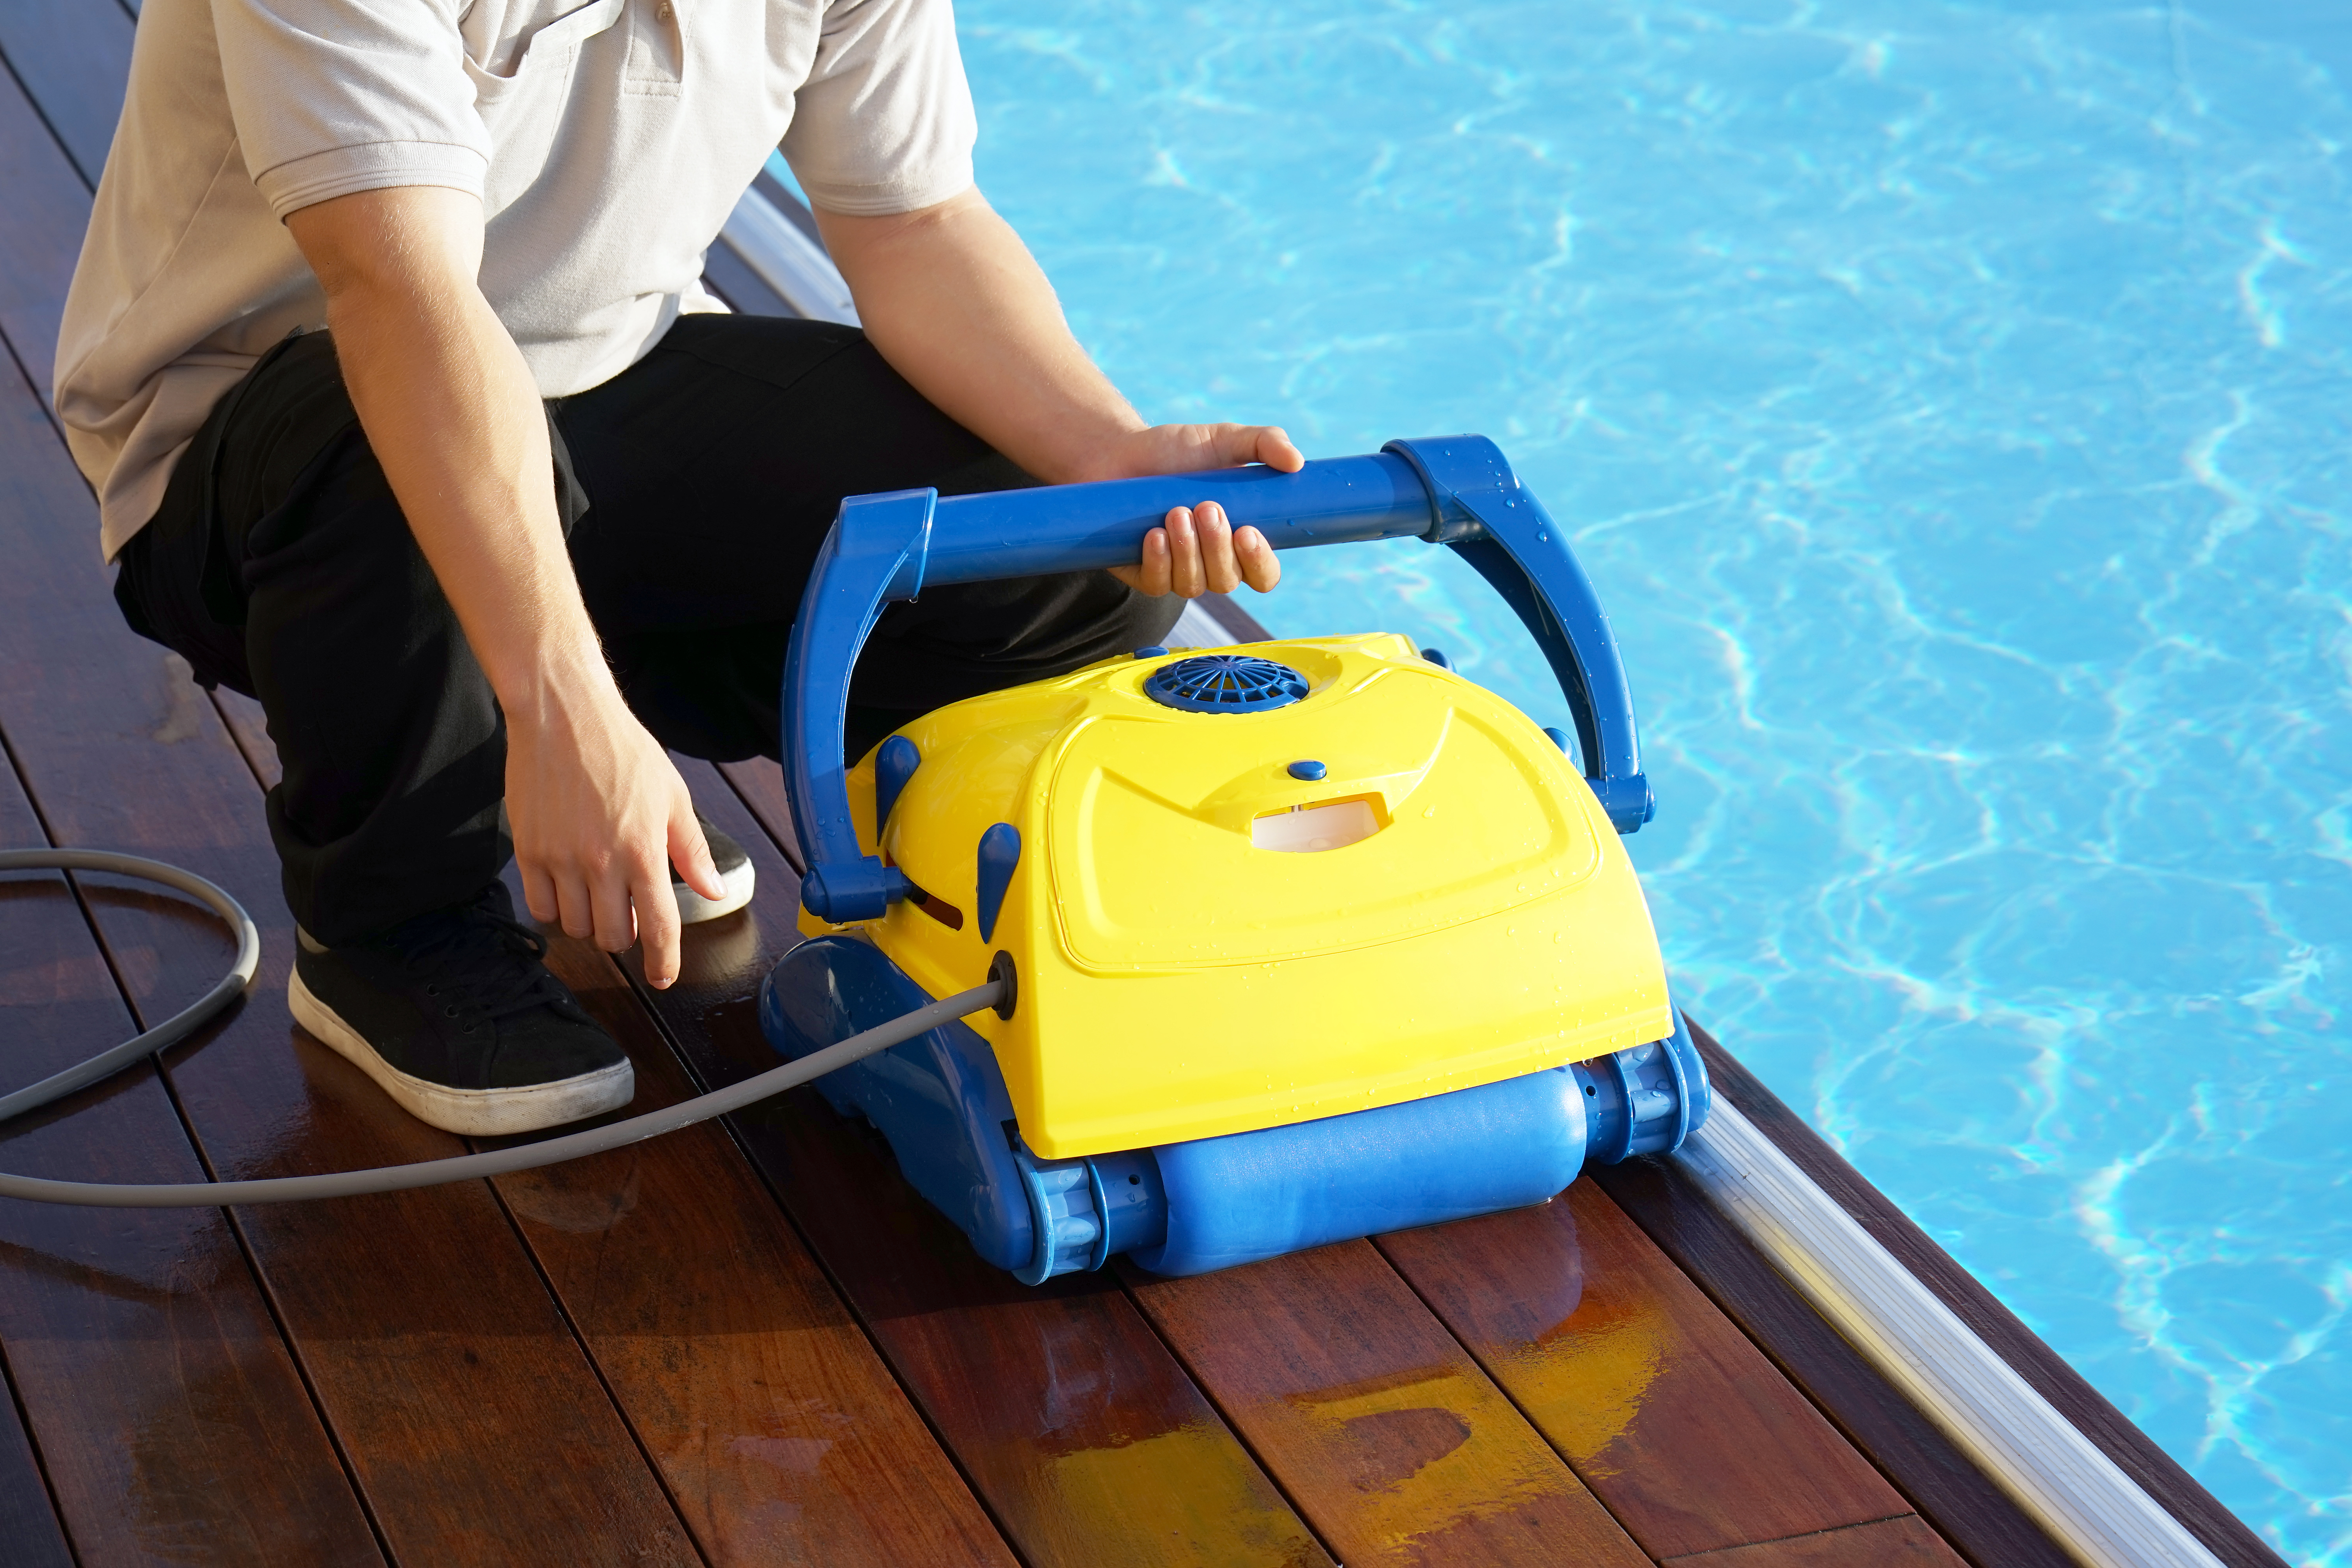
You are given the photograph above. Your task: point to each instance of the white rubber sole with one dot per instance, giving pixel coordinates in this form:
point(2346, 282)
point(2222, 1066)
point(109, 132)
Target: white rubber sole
point(476, 1113)
point(693, 908)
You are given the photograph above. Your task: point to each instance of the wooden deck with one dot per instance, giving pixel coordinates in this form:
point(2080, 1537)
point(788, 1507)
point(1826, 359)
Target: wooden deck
point(749, 1343)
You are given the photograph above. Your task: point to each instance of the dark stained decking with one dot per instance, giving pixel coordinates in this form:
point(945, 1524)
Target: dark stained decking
point(749, 1343)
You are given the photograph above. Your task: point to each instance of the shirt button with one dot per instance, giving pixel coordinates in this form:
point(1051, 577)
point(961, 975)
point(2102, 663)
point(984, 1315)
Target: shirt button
point(663, 12)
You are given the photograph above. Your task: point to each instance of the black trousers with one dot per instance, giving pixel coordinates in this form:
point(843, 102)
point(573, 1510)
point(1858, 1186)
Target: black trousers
point(694, 487)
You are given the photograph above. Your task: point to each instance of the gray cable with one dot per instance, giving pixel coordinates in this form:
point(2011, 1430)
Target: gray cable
point(388, 1179)
point(180, 1024)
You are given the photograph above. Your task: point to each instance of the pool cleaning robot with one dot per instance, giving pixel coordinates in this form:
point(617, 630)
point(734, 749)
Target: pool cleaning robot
point(1299, 941)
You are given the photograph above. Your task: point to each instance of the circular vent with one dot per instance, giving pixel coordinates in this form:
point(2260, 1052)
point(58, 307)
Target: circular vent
point(1225, 683)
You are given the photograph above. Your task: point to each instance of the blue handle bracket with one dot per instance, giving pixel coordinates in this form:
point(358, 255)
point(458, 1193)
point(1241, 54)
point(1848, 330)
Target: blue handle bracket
point(874, 556)
point(1488, 518)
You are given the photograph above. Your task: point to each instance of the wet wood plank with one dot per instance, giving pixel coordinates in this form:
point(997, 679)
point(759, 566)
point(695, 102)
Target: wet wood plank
point(418, 1318)
point(1373, 1418)
point(1939, 1482)
point(760, 784)
point(74, 58)
point(1905, 1542)
point(778, 1430)
point(200, 1383)
point(1077, 1430)
point(28, 1516)
point(1677, 1423)
point(250, 728)
point(2157, 1473)
point(167, 1408)
point(44, 207)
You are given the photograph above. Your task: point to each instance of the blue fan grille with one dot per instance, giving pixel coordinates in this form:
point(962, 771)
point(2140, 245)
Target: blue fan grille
point(1225, 683)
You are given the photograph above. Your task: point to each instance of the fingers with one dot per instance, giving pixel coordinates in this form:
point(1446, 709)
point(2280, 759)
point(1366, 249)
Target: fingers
point(657, 902)
point(1260, 567)
point(1151, 574)
point(599, 816)
point(1172, 561)
point(659, 925)
point(575, 909)
point(1188, 448)
point(1272, 446)
point(1186, 576)
point(1231, 445)
point(616, 924)
point(539, 891)
point(629, 899)
point(1219, 571)
point(1197, 551)
point(691, 853)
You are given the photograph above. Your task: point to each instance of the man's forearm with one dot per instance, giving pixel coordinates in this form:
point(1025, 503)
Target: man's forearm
point(955, 302)
point(952, 299)
point(449, 407)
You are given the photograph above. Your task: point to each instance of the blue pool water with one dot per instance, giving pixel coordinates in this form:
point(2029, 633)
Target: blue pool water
point(1951, 403)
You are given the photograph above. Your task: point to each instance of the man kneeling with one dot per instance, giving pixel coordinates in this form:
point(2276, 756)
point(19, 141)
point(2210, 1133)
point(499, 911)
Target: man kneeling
point(408, 416)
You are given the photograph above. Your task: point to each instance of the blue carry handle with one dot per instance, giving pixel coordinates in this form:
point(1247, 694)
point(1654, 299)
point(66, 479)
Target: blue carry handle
point(1455, 490)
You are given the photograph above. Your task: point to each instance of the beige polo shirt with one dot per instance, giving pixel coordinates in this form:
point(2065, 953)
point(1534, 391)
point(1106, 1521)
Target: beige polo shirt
point(607, 140)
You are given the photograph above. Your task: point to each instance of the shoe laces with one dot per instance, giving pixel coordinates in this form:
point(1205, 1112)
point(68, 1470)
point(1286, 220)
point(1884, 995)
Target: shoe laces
point(485, 966)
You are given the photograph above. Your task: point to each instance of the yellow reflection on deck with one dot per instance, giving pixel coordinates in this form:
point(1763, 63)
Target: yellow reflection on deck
point(1187, 1496)
point(1584, 1380)
point(1468, 1454)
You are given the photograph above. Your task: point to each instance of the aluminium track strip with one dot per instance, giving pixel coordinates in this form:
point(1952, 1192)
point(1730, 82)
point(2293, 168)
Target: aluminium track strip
point(2015, 1436)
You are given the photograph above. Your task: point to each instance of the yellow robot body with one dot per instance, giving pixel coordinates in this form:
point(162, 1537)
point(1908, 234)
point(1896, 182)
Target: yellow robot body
point(1393, 887)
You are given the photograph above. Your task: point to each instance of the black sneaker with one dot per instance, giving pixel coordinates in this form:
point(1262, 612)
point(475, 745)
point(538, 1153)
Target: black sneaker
point(456, 1018)
point(734, 870)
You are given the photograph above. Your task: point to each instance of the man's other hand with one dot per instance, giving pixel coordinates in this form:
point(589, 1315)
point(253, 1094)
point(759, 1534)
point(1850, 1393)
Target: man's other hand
point(1196, 550)
point(599, 816)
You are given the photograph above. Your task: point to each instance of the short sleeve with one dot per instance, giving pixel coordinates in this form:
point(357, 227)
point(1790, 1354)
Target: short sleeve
point(331, 96)
point(884, 124)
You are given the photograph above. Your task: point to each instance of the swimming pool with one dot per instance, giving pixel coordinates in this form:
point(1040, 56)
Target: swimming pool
point(1950, 403)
